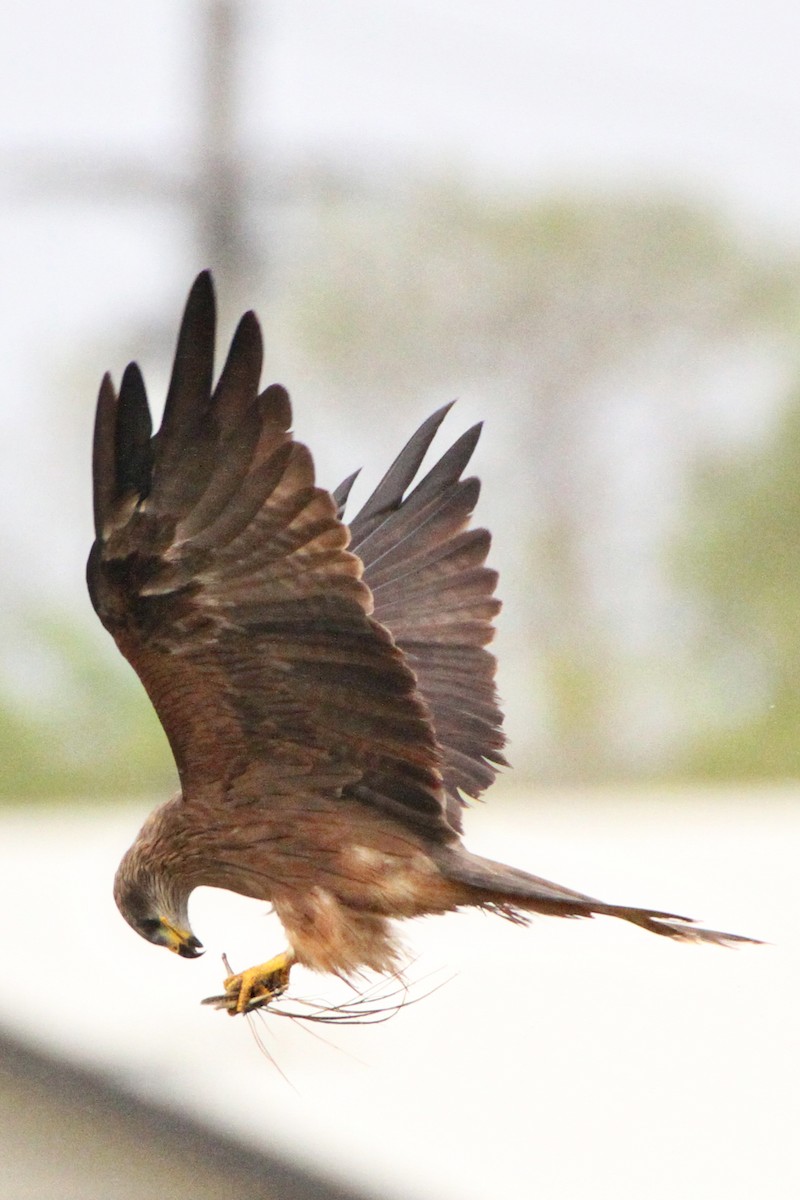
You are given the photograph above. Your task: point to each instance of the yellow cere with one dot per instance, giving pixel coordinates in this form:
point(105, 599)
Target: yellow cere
point(175, 937)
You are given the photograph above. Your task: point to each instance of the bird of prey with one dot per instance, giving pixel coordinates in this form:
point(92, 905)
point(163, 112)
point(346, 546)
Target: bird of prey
point(324, 684)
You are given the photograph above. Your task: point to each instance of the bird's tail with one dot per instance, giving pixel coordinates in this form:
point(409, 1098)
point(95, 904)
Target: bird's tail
point(514, 893)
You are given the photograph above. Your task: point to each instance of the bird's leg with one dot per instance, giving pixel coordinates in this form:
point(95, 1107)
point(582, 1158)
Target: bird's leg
point(256, 986)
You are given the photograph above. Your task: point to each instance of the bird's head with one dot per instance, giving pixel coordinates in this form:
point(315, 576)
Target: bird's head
point(153, 908)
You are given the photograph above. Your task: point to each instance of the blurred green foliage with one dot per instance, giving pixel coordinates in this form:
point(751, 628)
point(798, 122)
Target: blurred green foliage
point(575, 320)
point(85, 727)
point(740, 560)
point(444, 285)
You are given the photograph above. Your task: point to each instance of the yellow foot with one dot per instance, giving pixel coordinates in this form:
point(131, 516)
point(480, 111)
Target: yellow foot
point(256, 986)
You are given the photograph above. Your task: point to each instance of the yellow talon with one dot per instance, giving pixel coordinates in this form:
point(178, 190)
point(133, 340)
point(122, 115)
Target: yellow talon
point(256, 986)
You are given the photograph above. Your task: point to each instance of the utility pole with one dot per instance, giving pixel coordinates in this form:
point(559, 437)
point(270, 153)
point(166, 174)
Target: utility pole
point(211, 188)
point(220, 183)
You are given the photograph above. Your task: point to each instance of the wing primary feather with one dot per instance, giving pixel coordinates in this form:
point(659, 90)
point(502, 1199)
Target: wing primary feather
point(467, 549)
point(192, 374)
point(225, 445)
point(436, 515)
point(343, 491)
point(186, 444)
point(233, 459)
point(389, 492)
point(447, 470)
point(248, 500)
point(431, 588)
point(372, 541)
point(134, 428)
point(276, 406)
point(237, 386)
point(104, 453)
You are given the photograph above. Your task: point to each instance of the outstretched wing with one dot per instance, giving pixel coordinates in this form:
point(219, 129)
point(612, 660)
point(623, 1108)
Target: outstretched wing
point(222, 572)
point(427, 572)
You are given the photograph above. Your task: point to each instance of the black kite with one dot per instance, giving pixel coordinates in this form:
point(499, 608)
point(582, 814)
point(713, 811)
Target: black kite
point(325, 687)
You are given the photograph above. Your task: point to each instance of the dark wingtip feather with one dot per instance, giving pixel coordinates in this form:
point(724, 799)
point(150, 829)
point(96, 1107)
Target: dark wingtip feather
point(202, 295)
point(200, 314)
point(133, 448)
point(103, 452)
point(247, 342)
point(389, 492)
point(249, 339)
point(276, 405)
point(448, 470)
point(193, 365)
point(343, 491)
point(238, 383)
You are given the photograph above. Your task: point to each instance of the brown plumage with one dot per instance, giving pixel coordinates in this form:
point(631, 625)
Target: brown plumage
point(325, 689)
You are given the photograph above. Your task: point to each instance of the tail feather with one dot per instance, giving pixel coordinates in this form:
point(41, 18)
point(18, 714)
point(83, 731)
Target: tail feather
point(514, 893)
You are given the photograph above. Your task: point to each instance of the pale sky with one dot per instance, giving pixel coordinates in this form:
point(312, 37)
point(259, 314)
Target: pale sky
point(700, 97)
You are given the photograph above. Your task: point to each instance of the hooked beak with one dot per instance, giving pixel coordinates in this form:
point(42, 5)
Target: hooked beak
point(181, 941)
point(191, 948)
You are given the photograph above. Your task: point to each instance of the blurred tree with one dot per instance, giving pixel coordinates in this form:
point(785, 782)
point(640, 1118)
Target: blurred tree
point(599, 333)
point(740, 558)
point(80, 726)
point(603, 337)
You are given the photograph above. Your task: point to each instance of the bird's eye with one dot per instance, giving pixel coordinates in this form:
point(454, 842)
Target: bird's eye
point(150, 925)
